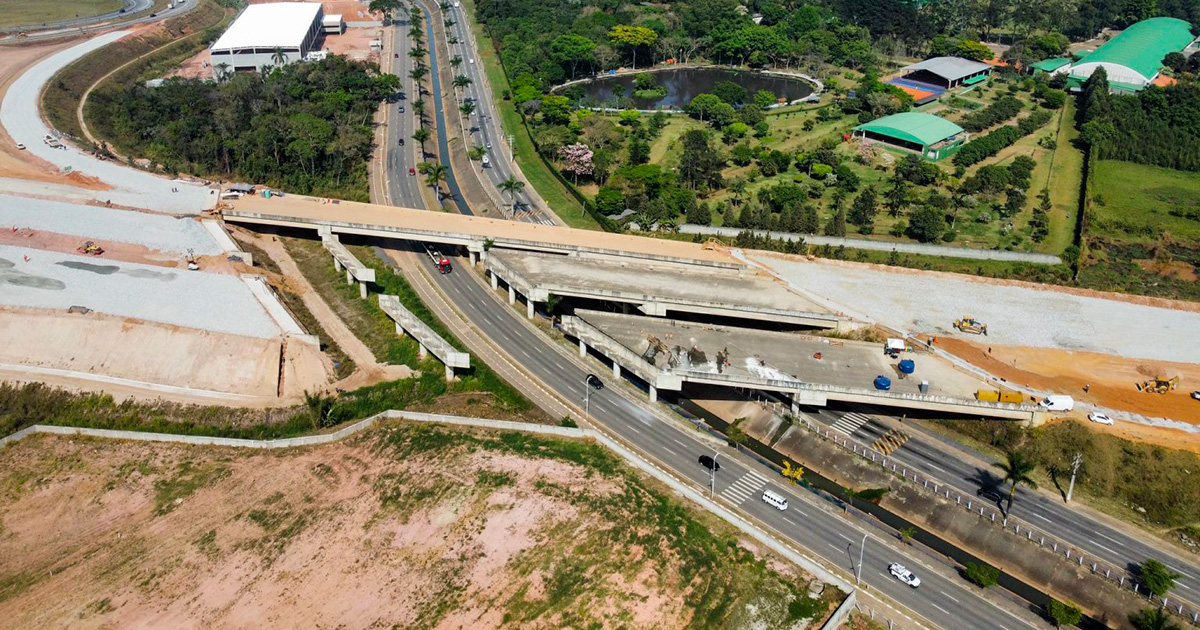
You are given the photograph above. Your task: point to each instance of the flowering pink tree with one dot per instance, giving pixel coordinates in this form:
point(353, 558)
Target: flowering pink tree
point(576, 158)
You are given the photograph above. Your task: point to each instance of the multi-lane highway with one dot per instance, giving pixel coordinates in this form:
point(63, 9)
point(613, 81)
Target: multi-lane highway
point(484, 124)
point(401, 122)
point(952, 464)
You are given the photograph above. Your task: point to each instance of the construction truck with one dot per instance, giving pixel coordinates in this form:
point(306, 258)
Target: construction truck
point(443, 263)
point(971, 325)
point(1158, 385)
point(90, 248)
point(994, 395)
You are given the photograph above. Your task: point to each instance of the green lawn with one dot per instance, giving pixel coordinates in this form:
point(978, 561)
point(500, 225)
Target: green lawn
point(560, 199)
point(1133, 202)
point(1062, 174)
point(31, 13)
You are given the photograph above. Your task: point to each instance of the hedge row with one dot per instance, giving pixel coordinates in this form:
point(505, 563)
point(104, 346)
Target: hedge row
point(1002, 110)
point(983, 148)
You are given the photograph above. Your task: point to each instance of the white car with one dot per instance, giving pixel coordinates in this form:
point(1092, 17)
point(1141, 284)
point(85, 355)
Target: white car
point(486, 161)
point(20, 146)
point(1099, 418)
point(904, 575)
point(472, 60)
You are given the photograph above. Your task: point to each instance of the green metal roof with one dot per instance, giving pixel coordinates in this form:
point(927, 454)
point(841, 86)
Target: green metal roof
point(923, 129)
point(1141, 47)
point(1050, 65)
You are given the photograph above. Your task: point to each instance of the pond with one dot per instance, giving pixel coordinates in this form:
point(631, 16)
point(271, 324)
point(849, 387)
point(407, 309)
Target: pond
point(683, 84)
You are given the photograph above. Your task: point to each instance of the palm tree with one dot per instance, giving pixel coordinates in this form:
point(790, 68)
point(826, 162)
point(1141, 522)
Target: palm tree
point(223, 71)
point(467, 108)
point(279, 57)
point(512, 186)
point(421, 135)
point(449, 22)
point(461, 81)
point(444, 6)
point(419, 108)
point(850, 494)
point(434, 175)
point(1017, 467)
point(452, 40)
point(417, 52)
point(455, 61)
point(418, 73)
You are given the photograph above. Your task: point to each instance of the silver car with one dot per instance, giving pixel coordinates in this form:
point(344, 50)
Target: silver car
point(904, 575)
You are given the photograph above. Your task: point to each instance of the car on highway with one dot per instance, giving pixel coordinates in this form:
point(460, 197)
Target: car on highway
point(1100, 418)
point(486, 161)
point(401, 108)
point(20, 146)
point(710, 463)
point(412, 171)
point(904, 575)
point(472, 60)
point(489, 146)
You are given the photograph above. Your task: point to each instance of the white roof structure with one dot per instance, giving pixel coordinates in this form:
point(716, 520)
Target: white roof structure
point(279, 24)
point(949, 68)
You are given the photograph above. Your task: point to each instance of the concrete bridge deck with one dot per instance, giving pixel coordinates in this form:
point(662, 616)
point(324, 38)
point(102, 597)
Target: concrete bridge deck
point(475, 233)
point(659, 289)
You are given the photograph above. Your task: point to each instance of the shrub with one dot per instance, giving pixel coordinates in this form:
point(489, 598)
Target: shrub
point(1000, 111)
point(982, 575)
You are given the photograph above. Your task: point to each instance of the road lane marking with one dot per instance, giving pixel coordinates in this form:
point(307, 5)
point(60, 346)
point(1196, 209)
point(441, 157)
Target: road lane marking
point(1042, 517)
point(1103, 547)
point(939, 608)
point(950, 596)
point(1119, 543)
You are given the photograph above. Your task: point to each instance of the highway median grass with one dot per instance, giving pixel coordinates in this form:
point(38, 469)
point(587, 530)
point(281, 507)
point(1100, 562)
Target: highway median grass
point(17, 13)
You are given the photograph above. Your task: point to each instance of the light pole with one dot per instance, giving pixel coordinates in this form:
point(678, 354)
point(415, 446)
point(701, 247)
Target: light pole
point(858, 569)
point(590, 382)
point(712, 475)
point(1075, 463)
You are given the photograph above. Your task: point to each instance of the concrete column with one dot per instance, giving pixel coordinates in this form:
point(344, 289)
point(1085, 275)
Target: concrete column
point(349, 277)
point(449, 373)
point(653, 394)
point(362, 290)
point(616, 370)
point(421, 351)
point(529, 309)
point(582, 349)
point(337, 264)
point(495, 281)
point(795, 406)
point(512, 295)
point(473, 258)
point(399, 330)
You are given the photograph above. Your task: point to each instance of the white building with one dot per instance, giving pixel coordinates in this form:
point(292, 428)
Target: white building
point(268, 35)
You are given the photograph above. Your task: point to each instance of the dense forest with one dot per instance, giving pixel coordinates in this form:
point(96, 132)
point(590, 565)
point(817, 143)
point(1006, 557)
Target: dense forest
point(305, 127)
point(555, 41)
point(1159, 126)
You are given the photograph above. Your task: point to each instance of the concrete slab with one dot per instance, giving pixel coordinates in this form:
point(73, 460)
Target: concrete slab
point(659, 289)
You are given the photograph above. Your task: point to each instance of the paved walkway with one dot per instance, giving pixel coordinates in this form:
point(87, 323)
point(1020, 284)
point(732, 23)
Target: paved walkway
point(883, 246)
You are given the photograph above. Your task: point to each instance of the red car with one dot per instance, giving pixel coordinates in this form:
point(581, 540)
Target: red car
point(412, 171)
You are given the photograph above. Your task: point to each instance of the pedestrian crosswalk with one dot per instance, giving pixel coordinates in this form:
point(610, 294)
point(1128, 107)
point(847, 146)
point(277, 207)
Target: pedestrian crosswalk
point(851, 422)
point(748, 485)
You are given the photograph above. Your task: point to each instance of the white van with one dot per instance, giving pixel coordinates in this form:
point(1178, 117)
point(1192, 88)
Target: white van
point(774, 499)
point(1057, 403)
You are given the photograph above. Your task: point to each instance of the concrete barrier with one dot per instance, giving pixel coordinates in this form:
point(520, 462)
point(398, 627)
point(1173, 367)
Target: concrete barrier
point(429, 340)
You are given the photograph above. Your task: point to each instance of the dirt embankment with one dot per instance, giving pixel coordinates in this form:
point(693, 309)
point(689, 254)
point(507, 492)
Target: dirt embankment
point(400, 527)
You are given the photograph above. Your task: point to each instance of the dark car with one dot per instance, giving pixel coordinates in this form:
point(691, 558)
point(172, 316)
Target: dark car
point(710, 463)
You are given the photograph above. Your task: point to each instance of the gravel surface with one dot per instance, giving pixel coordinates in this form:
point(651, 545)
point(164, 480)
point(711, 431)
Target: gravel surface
point(208, 301)
point(917, 302)
point(131, 187)
point(156, 231)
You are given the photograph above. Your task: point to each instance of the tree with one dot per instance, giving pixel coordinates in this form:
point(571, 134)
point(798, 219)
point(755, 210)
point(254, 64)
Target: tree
point(863, 210)
point(897, 196)
point(764, 99)
point(1158, 577)
point(906, 534)
point(1153, 619)
point(609, 201)
point(556, 110)
point(808, 222)
point(456, 61)
point(1063, 614)
point(639, 150)
point(386, 7)
point(461, 81)
point(836, 226)
point(513, 187)
point(700, 163)
point(421, 135)
point(435, 174)
point(572, 50)
point(632, 37)
point(279, 57)
point(703, 105)
point(982, 575)
point(729, 92)
point(467, 108)
point(418, 73)
point(927, 224)
point(576, 158)
point(736, 433)
point(1016, 467)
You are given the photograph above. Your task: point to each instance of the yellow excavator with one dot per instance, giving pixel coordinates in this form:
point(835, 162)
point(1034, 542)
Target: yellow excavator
point(793, 473)
point(90, 248)
point(1158, 385)
point(971, 325)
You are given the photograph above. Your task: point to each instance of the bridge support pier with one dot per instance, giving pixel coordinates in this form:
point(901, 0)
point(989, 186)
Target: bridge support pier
point(421, 351)
point(349, 277)
point(653, 394)
point(529, 308)
point(362, 290)
point(512, 295)
point(337, 265)
point(449, 374)
point(495, 281)
point(616, 370)
point(472, 257)
point(582, 349)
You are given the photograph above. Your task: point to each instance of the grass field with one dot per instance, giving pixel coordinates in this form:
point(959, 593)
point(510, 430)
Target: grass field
point(1134, 202)
point(29, 13)
point(543, 181)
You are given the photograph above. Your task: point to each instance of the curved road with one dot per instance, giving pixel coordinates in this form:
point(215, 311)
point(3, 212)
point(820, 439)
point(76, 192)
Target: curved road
point(68, 28)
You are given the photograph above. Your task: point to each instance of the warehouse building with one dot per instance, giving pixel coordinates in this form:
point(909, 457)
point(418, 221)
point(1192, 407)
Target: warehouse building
point(1133, 59)
point(268, 35)
point(933, 137)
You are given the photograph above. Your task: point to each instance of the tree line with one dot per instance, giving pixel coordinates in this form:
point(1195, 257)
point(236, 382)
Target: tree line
point(1158, 126)
point(306, 127)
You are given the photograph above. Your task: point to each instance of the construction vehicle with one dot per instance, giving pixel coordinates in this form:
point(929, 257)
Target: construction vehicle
point(1158, 385)
point(792, 473)
point(192, 265)
point(993, 395)
point(90, 248)
point(443, 263)
point(971, 325)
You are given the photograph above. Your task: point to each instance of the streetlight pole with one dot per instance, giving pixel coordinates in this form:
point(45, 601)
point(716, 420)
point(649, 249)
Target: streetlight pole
point(858, 570)
point(1075, 463)
point(590, 382)
point(712, 475)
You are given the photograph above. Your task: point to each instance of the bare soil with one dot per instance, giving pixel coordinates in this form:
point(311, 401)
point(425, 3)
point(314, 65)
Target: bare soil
point(360, 534)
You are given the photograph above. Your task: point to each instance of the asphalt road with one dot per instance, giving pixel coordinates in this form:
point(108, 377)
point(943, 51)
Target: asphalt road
point(1048, 513)
point(402, 189)
point(52, 30)
point(485, 127)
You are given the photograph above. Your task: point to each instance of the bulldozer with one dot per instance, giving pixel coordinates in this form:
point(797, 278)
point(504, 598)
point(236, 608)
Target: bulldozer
point(971, 325)
point(90, 248)
point(792, 473)
point(1158, 385)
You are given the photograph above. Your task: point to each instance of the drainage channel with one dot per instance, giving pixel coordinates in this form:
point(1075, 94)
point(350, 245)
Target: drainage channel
point(1030, 594)
point(443, 143)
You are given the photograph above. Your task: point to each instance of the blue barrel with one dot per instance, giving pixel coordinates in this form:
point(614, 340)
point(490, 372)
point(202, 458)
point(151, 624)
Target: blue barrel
point(907, 366)
point(883, 383)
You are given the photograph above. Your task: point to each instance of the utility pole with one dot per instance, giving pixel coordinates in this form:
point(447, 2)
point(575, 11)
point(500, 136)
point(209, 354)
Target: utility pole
point(1075, 463)
point(858, 569)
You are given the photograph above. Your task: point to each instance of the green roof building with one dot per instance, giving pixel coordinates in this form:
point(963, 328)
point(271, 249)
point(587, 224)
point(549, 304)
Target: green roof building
point(932, 136)
point(1134, 57)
